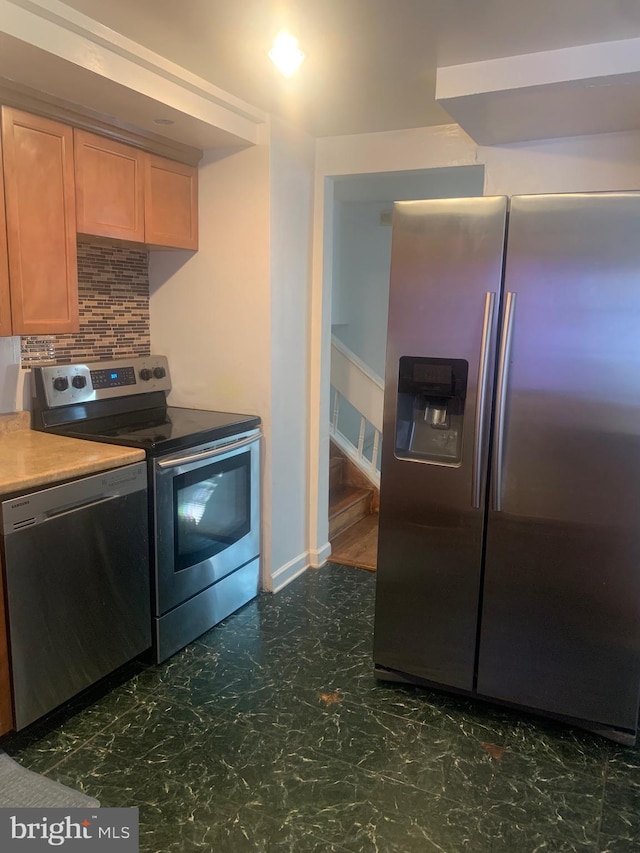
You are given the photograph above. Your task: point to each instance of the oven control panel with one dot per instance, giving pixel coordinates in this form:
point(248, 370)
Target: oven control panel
point(65, 384)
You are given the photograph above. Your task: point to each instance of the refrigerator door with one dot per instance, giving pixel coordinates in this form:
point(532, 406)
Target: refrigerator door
point(560, 625)
point(446, 268)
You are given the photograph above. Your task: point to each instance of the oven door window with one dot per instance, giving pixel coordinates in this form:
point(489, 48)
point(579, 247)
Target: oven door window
point(213, 509)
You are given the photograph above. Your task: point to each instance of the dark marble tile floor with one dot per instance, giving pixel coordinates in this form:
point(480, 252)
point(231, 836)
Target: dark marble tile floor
point(269, 733)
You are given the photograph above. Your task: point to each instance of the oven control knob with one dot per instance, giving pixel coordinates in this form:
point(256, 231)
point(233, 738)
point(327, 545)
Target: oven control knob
point(61, 383)
point(79, 381)
point(159, 372)
point(145, 374)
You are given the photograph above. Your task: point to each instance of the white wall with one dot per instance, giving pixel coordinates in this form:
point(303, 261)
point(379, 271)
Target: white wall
point(292, 171)
point(361, 280)
point(210, 310)
point(602, 162)
point(608, 161)
point(11, 399)
point(395, 151)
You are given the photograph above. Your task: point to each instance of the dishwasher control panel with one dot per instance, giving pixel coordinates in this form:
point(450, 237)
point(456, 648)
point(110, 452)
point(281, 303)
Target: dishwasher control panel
point(45, 504)
point(65, 384)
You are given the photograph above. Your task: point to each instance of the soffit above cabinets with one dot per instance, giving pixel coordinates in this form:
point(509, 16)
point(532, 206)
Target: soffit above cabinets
point(573, 91)
point(71, 60)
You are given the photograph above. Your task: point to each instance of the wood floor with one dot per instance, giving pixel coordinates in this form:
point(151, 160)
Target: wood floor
point(358, 545)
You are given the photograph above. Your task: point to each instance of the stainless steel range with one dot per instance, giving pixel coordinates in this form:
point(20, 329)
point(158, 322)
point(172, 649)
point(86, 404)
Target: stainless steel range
point(204, 485)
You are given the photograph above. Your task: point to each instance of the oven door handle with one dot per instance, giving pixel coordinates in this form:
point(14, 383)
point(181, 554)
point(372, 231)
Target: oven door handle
point(207, 454)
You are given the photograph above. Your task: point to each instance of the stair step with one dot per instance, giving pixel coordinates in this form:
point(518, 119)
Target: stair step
point(358, 544)
point(336, 469)
point(348, 504)
point(352, 475)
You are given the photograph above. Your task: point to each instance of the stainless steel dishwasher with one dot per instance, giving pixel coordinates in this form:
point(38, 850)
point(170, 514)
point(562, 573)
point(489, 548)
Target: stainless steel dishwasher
point(76, 560)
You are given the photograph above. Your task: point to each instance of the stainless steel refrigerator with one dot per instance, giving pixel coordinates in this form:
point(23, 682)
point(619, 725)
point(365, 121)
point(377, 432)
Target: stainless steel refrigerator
point(509, 544)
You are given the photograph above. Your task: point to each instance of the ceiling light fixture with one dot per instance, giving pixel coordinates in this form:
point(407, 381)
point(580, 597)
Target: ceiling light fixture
point(285, 54)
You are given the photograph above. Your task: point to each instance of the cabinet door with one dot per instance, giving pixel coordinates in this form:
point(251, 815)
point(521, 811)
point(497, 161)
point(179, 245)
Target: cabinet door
point(41, 224)
point(171, 203)
point(5, 302)
point(6, 705)
point(109, 187)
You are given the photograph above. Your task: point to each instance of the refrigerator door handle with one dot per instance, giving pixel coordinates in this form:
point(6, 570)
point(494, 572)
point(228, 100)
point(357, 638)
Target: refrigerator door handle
point(483, 373)
point(501, 398)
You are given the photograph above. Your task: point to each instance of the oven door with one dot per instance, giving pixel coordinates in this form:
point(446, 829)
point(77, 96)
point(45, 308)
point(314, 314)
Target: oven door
point(206, 516)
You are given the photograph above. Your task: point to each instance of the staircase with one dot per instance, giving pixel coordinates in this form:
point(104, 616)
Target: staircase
point(352, 497)
point(354, 476)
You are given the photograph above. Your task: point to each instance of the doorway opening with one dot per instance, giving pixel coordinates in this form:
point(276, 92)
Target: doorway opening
point(357, 257)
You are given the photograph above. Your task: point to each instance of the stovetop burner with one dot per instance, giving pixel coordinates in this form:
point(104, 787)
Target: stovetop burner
point(178, 428)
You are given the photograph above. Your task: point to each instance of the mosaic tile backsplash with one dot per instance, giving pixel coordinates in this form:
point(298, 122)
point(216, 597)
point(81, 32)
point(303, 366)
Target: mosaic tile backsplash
point(113, 295)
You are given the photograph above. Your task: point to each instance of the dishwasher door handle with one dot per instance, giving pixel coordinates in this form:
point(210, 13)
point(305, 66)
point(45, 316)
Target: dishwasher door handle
point(59, 512)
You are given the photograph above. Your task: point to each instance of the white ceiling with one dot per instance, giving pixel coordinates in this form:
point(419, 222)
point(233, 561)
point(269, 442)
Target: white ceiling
point(370, 66)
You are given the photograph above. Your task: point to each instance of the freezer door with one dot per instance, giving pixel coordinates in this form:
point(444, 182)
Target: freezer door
point(560, 625)
point(446, 268)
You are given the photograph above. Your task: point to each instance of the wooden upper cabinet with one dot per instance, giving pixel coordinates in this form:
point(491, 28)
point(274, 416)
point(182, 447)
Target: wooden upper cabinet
point(6, 327)
point(109, 187)
point(132, 195)
point(170, 203)
point(41, 224)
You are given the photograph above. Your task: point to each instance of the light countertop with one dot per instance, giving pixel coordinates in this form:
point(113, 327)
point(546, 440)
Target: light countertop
point(29, 459)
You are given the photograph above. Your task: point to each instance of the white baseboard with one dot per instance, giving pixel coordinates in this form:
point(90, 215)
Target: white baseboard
point(319, 558)
point(294, 568)
point(291, 570)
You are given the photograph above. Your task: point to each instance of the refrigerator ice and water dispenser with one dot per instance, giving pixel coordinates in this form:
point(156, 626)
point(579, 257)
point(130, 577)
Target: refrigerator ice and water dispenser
point(430, 409)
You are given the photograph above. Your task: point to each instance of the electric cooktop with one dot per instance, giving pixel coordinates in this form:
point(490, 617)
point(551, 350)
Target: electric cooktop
point(124, 402)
